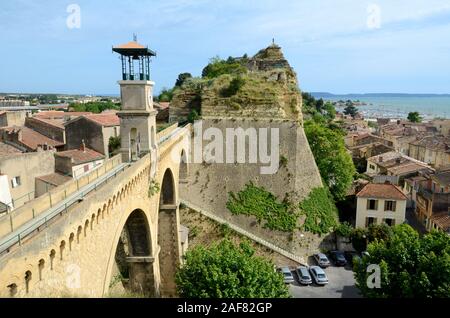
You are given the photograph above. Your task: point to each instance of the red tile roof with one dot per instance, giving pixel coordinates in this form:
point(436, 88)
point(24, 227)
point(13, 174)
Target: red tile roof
point(79, 156)
point(55, 179)
point(382, 191)
point(442, 220)
point(30, 138)
point(106, 120)
point(55, 114)
point(58, 123)
point(131, 45)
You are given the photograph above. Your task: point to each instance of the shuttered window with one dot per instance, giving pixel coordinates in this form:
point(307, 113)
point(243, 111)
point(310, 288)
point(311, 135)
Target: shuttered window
point(390, 206)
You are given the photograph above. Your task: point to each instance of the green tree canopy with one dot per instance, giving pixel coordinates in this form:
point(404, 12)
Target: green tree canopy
point(94, 107)
point(182, 78)
point(218, 67)
point(166, 95)
point(414, 117)
point(411, 266)
point(335, 164)
point(225, 270)
point(350, 109)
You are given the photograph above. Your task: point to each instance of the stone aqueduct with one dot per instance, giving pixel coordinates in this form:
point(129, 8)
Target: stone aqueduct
point(77, 253)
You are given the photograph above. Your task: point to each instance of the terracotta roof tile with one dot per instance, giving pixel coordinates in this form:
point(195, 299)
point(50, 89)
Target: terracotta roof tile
point(55, 179)
point(30, 138)
point(107, 120)
point(382, 191)
point(79, 156)
point(442, 220)
point(131, 45)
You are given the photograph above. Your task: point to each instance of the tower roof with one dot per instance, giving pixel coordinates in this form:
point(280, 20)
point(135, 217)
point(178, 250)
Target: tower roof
point(133, 48)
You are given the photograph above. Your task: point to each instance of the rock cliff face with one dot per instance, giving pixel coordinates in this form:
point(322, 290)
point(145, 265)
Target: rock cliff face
point(269, 90)
point(267, 97)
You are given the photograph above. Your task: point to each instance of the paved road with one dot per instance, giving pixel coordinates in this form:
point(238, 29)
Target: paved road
point(341, 285)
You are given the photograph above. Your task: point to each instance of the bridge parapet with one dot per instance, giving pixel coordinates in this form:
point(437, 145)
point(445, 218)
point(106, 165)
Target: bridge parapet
point(13, 220)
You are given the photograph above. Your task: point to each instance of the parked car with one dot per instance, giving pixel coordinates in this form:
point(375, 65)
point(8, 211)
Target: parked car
point(338, 258)
point(288, 277)
point(322, 260)
point(319, 275)
point(352, 257)
point(304, 277)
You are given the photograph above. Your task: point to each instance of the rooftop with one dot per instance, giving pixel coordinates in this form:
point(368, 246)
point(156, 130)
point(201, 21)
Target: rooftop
point(437, 143)
point(80, 156)
point(107, 119)
point(30, 138)
point(133, 48)
point(382, 191)
point(55, 179)
point(6, 150)
point(443, 178)
point(55, 114)
point(442, 220)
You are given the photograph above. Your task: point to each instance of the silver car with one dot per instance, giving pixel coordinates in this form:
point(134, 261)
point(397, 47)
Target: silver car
point(304, 277)
point(322, 260)
point(288, 277)
point(319, 275)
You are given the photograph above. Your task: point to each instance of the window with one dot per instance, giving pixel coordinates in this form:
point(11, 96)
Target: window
point(372, 204)
point(370, 221)
point(390, 222)
point(372, 167)
point(390, 205)
point(15, 182)
point(86, 168)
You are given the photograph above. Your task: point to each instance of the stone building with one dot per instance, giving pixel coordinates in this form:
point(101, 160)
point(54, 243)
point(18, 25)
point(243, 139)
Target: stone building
point(9, 118)
point(380, 203)
point(434, 150)
point(77, 162)
point(28, 140)
point(18, 171)
point(51, 128)
point(95, 130)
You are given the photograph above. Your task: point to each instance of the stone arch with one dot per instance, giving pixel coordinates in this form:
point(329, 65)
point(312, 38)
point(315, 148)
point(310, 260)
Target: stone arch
point(28, 277)
point(169, 256)
point(99, 215)
point(86, 226)
point(12, 289)
point(41, 266)
point(79, 231)
point(134, 144)
point(92, 221)
point(52, 259)
point(105, 209)
point(62, 247)
point(71, 238)
point(134, 254)
point(183, 175)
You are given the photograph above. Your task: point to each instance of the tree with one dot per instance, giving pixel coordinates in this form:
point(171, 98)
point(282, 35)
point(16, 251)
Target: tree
point(350, 109)
point(225, 270)
point(182, 78)
point(218, 67)
point(166, 95)
point(414, 117)
point(114, 144)
point(410, 266)
point(334, 163)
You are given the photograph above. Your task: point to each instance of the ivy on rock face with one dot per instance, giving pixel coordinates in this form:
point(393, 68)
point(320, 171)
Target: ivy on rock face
point(320, 211)
point(262, 204)
point(318, 207)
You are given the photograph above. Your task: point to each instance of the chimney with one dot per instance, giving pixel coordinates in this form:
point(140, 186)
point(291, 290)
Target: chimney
point(83, 146)
point(19, 135)
point(380, 159)
point(398, 160)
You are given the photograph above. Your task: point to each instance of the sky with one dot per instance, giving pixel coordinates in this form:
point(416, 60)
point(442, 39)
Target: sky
point(345, 46)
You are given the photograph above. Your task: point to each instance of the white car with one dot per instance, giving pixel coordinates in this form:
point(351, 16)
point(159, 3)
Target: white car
point(318, 275)
point(288, 277)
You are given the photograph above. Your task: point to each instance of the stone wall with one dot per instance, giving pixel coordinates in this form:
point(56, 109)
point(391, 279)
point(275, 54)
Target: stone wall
point(83, 129)
point(209, 184)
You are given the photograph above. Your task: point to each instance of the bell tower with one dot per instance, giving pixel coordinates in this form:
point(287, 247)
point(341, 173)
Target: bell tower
point(137, 116)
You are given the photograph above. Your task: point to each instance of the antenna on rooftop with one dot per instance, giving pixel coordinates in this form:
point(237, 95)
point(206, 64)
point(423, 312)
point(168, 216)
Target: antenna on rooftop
point(134, 37)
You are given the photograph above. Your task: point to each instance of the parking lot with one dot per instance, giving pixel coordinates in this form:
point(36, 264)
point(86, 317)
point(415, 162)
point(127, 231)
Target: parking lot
point(341, 285)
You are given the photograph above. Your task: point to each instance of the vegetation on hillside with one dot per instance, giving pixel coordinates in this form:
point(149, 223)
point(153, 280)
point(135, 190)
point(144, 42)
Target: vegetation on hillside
point(411, 266)
point(225, 270)
point(218, 67)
